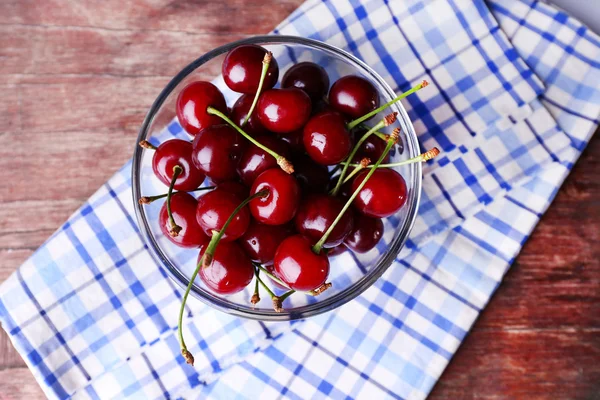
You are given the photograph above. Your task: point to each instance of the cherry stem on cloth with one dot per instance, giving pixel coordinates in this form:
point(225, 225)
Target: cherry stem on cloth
point(365, 117)
point(150, 199)
point(174, 229)
point(216, 237)
point(392, 139)
point(428, 155)
point(386, 121)
point(281, 160)
point(265, 66)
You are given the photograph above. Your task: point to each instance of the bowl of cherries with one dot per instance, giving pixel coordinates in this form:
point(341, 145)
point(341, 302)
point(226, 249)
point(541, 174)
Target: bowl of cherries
point(277, 178)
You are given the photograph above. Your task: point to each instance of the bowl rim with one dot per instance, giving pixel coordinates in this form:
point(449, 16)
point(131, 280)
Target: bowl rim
point(319, 307)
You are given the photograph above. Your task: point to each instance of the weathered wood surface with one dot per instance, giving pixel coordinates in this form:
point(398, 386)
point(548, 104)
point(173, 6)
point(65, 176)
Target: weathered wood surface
point(77, 78)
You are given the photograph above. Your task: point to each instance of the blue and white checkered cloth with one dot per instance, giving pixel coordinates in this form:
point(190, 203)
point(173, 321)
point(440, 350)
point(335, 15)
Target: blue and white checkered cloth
point(515, 98)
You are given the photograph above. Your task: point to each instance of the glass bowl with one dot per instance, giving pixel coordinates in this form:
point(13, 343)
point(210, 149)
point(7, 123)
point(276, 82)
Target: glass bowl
point(351, 274)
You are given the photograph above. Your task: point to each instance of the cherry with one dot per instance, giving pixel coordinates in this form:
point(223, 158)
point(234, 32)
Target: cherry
point(217, 151)
point(353, 96)
point(260, 241)
point(315, 216)
point(298, 266)
point(215, 207)
point(365, 234)
point(271, 269)
point(309, 77)
point(312, 177)
point(383, 194)
point(192, 103)
point(240, 111)
point(230, 270)
point(372, 148)
point(326, 138)
point(236, 188)
point(280, 205)
point(294, 140)
point(176, 152)
point(337, 250)
point(283, 110)
point(183, 208)
point(255, 160)
point(242, 68)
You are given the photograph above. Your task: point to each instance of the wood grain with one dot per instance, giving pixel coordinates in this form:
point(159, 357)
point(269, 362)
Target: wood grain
point(77, 78)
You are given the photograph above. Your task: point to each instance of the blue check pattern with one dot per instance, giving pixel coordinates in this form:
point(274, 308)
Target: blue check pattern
point(515, 98)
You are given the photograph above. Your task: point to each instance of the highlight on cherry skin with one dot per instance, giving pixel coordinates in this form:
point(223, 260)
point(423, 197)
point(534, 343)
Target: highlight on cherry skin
point(297, 174)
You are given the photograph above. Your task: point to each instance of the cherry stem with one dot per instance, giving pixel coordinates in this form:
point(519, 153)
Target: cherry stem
point(380, 135)
point(276, 279)
point(386, 121)
point(150, 199)
point(364, 163)
point(216, 237)
point(174, 228)
point(281, 160)
point(428, 155)
point(255, 297)
point(184, 351)
point(147, 145)
point(365, 117)
point(265, 66)
point(393, 139)
point(269, 291)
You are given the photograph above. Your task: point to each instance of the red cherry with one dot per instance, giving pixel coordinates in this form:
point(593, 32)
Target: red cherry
point(217, 151)
point(298, 266)
point(315, 216)
point(192, 103)
point(183, 208)
point(242, 68)
point(312, 177)
point(215, 207)
point(337, 250)
point(294, 140)
point(372, 148)
point(281, 204)
point(176, 152)
point(230, 271)
point(383, 194)
point(365, 234)
point(309, 77)
point(260, 241)
point(255, 160)
point(354, 96)
point(238, 114)
point(283, 110)
point(326, 138)
point(278, 285)
point(236, 188)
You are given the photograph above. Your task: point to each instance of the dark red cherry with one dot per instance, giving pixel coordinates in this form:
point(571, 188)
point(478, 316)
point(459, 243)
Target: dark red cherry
point(312, 177)
point(283, 110)
point(354, 96)
point(176, 152)
point(230, 271)
point(315, 216)
point(372, 148)
point(294, 140)
point(282, 202)
point(383, 194)
point(236, 188)
point(215, 207)
point(192, 103)
point(298, 266)
point(238, 115)
point(260, 241)
point(309, 77)
point(278, 285)
point(337, 250)
point(242, 68)
point(365, 234)
point(255, 160)
point(183, 208)
point(326, 139)
point(217, 151)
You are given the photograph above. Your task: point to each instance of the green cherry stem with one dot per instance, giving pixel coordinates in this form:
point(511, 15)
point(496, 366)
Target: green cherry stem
point(174, 229)
point(281, 160)
point(393, 139)
point(380, 135)
point(428, 155)
point(189, 358)
point(150, 199)
point(364, 163)
point(270, 275)
point(386, 121)
point(216, 237)
point(365, 117)
point(265, 66)
point(255, 296)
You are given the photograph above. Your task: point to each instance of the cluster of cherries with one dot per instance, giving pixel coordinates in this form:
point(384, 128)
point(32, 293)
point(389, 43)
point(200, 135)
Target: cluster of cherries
point(293, 181)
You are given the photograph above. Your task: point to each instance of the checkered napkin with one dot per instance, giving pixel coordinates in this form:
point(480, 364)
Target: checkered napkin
point(514, 98)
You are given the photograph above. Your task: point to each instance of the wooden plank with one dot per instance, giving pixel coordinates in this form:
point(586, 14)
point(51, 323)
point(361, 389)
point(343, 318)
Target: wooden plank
point(17, 383)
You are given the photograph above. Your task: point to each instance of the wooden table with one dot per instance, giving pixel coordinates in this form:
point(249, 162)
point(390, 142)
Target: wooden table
point(77, 77)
